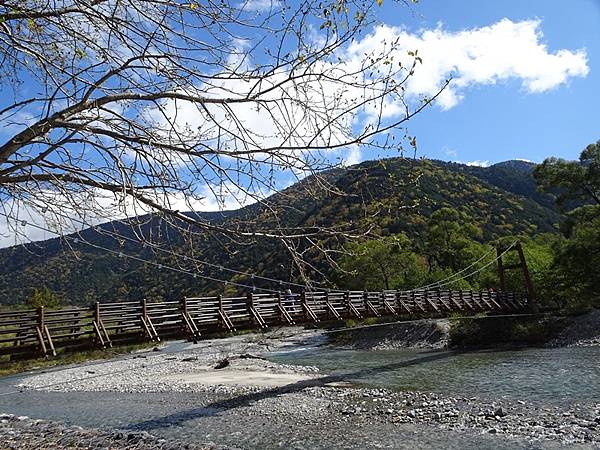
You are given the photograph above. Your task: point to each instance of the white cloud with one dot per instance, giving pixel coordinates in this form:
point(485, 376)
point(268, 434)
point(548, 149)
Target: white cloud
point(480, 56)
point(300, 110)
point(28, 222)
point(450, 152)
point(259, 5)
point(479, 163)
point(352, 156)
point(487, 55)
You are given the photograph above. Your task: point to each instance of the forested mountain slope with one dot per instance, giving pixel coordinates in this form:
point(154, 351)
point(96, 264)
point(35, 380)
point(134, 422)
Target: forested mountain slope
point(388, 196)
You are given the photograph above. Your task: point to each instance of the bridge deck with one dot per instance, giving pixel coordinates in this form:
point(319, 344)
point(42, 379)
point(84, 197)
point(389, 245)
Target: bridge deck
point(40, 332)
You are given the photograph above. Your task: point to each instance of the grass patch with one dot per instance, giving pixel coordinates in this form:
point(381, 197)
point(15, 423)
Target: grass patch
point(11, 367)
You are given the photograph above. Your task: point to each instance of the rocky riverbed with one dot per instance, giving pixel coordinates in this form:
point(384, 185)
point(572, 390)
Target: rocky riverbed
point(228, 387)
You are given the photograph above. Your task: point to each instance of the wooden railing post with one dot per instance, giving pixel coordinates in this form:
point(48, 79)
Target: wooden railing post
point(250, 304)
point(144, 310)
point(187, 323)
point(347, 302)
point(147, 324)
point(183, 310)
point(97, 324)
point(40, 329)
point(184, 306)
point(303, 305)
point(40, 318)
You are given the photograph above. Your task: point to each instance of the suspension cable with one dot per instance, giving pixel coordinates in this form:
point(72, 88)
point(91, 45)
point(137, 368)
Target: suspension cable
point(457, 273)
point(481, 268)
point(137, 258)
point(450, 280)
point(101, 230)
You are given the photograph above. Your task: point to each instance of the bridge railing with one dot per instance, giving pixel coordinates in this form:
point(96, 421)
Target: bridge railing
point(42, 331)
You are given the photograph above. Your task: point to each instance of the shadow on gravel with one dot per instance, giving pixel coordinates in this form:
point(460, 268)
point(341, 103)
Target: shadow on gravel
point(217, 407)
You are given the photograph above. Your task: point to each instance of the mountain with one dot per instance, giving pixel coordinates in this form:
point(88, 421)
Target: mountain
point(386, 196)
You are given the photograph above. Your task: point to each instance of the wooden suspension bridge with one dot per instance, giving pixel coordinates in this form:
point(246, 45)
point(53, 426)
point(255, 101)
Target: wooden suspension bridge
point(35, 332)
point(42, 331)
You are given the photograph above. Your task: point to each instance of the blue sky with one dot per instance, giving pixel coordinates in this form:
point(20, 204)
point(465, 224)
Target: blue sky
point(526, 86)
point(504, 121)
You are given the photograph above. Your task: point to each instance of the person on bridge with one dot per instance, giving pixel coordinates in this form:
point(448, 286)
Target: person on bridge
point(290, 302)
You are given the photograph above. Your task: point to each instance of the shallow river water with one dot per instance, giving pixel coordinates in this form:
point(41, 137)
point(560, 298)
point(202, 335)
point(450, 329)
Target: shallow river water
point(553, 376)
point(558, 376)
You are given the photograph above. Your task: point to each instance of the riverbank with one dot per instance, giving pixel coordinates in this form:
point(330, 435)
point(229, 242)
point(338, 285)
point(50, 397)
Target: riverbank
point(229, 388)
point(583, 330)
point(419, 334)
point(474, 332)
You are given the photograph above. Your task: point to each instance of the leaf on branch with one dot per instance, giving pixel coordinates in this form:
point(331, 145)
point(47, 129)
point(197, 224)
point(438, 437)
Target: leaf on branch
point(379, 2)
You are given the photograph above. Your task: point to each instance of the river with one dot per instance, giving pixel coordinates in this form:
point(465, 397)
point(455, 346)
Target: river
point(548, 376)
point(559, 376)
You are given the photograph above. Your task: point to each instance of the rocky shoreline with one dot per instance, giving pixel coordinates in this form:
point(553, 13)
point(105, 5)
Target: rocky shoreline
point(584, 330)
point(426, 334)
point(23, 433)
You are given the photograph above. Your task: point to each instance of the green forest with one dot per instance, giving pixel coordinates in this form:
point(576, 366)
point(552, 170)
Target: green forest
point(564, 265)
point(426, 219)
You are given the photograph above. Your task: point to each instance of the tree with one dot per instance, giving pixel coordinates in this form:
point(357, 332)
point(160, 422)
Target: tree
point(449, 242)
point(43, 297)
point(575, 268)
point(140, 106)
point(577, 182)
point(385, 263)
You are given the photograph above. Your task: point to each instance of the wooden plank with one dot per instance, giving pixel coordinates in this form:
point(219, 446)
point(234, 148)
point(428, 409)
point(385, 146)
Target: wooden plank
point(257, 317)
point(466, 302)
point(444, 303)
point(457, 304)
point(433, 305)
point(146, 328)
point(49, 338)
point(372, 308)
point(355, 311)
point(333, 310)
point(308, 311)
point(41, 341)
point(389, 307)
point(285, 315)
point(98, 334)
point(225, 321)
point(405, 306)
